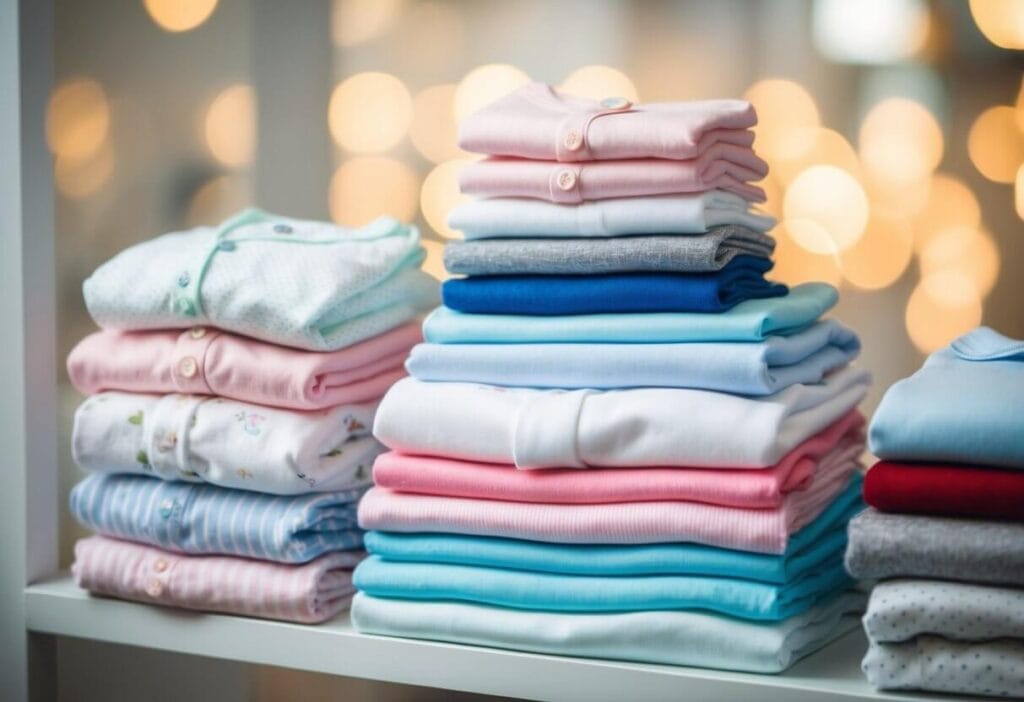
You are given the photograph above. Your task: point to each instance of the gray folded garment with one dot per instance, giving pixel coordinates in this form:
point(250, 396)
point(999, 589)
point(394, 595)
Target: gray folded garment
point(899, 610)
point(994, 668)
point(583, 256)
point(885, 545)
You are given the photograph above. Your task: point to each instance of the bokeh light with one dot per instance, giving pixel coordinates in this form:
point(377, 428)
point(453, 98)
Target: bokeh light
point(179, 15)
point(433, 131)
point(367, 187)
point(357, 21)
point(896, 200)
point(219, 198)
point(433, 264)
point(965, 250)
point(230, 126)
point(825, 209)
point(881, 255)
point(369, 112)
point(818, 146)
point(77, 119)
point(1001, 21)
point(784, 112)
point(484, 85)
point(78, 179)
point(900, 142)
point(943, 306)
point(1018, 192)
point(795, 264)
point(996, 144)
point(870, 31)
point(440, 194)
point(950, 203)
point(599, 82)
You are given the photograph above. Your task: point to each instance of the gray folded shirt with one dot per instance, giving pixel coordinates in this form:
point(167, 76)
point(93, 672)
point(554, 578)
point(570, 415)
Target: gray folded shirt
point(885, 545)
point(710, 251)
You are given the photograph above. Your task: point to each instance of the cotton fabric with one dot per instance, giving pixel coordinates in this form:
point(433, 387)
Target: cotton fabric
point(743, 368)
point(307, 284)
point(752, 320)
point(690, 638)
point(947, 548)
point(937, 664)
point(536, 121)
point(723, 166)
point(918, 420)
point(743, 279)
point(820, 541)
point(309, 593)
point(203, 519)
point(821, 457)
point(614, 428)
point(519, 589)
point(518, 218)
point(207, 361)
point(626, 254)
point(225, 442)
point(760, 531)
point(951, 490)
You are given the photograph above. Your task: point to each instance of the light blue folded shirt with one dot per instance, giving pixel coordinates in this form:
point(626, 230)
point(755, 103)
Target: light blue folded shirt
point(753, 320)
point(205, 519)
point(743, 368)
point(820, 541)
point(677, 637)
point(965, 405)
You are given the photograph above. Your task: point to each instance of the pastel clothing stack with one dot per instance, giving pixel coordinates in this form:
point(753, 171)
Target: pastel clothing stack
point(619, 439)
point(232, 391)
point(946, 532)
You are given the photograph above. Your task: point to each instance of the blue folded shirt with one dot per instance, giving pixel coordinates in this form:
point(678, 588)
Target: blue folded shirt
point(205, 519)
point(965, 405)
point(743, 279)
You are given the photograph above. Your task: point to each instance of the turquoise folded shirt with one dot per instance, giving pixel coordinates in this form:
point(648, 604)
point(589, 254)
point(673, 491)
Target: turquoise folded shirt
point(748, 321)
point(818, 542)
point(965, 405)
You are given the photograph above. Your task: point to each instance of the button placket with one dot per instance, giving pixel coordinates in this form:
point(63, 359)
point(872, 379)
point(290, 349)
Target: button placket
point(188, 369)
point(564, 185)
point(166, 436)
point(572, 143)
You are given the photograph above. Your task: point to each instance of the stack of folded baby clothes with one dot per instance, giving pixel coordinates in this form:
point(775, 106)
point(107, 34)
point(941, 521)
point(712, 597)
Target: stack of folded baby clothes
point(620, 440)
point(946, 532)
point(232, 390)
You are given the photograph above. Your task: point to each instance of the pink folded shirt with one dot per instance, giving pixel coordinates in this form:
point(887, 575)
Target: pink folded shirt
point(759, 530)
point(722, 167)
point(819, 458)
point(207, 361)
point(537, 122)
point(308, 593)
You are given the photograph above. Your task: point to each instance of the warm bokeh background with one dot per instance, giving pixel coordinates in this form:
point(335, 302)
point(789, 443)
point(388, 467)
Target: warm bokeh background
point(894, 129)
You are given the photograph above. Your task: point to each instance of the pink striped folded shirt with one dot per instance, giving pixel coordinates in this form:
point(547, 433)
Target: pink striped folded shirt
point(538, 122)
point(758, 530)
point(830, 452)
point(309, 593)
point(207, 361)
point(721, 167)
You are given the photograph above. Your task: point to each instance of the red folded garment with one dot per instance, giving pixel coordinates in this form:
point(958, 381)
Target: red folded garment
point(926, 488)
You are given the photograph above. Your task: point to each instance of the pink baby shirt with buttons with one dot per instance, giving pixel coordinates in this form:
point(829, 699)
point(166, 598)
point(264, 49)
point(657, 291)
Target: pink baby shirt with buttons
point(207, 361)
point(538, 122)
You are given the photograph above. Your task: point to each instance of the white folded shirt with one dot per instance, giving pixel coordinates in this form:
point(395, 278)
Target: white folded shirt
point(693, 213)
point(225, 442)
point(614, 428)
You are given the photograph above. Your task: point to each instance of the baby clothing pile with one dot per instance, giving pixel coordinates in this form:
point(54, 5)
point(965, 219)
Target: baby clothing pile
point(232, 391)
point(945, 531)
point(620, 440)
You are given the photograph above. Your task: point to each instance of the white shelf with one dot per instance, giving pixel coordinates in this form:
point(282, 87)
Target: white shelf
point(57, 606)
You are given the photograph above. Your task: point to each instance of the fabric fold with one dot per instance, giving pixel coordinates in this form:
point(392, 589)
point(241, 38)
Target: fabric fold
point(588, 256)
point(614, 428)
point(309, 593)
point(753, 320)
point(937, 664)
point(209, 361)
point(743, 368)
point(225, 442)
point(686, 638)
point(203, 519)
point(681, 215)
